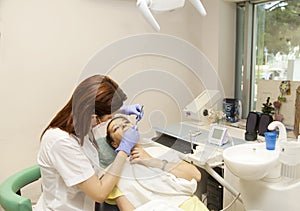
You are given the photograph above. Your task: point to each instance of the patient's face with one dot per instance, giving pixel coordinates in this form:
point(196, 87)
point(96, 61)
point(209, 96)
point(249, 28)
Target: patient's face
point(117, 128)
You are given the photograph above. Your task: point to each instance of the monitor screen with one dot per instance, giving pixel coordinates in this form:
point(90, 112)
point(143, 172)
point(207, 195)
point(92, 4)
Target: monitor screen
point(217, 134)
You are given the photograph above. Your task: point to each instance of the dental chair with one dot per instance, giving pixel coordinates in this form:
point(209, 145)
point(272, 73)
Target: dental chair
point(10, 189)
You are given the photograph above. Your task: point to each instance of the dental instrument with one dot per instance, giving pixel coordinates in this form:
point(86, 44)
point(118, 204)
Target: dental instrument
point(141, 111)
point(193, 135)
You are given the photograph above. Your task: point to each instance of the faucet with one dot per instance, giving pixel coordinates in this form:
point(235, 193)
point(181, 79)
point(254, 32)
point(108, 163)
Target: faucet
point(282, 130)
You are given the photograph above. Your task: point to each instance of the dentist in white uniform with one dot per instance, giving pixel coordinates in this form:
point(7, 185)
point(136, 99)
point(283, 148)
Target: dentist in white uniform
point(68, 155)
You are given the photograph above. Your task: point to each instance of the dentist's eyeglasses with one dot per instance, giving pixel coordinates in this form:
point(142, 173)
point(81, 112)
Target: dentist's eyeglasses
point(95, 120)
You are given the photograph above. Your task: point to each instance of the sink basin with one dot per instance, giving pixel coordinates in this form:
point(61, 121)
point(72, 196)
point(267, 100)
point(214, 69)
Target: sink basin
point(251, 161)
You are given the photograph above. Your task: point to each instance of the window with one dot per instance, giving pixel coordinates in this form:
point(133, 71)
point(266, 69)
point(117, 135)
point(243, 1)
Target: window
point(270, 37)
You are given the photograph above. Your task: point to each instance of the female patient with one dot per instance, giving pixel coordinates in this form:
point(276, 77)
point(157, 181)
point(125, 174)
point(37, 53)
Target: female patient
point(182, 172)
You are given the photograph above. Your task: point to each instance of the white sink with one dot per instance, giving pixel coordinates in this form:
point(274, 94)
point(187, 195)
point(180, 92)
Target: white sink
point(251, 161)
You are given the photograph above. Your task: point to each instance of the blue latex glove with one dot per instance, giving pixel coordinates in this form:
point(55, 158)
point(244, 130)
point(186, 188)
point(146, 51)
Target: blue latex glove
point(135, 109)
point(129, 140)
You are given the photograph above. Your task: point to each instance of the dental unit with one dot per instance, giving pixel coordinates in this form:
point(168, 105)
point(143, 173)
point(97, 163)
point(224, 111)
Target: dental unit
point(264, 175)
point(267, 175)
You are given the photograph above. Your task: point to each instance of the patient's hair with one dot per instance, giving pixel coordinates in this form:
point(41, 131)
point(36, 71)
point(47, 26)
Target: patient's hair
point(109, 138)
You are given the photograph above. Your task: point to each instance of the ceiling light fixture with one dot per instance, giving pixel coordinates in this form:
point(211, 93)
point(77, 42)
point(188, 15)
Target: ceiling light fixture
point(146, 7)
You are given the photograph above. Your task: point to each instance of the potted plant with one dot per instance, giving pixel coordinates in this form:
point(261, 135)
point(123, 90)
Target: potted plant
point(267, 107)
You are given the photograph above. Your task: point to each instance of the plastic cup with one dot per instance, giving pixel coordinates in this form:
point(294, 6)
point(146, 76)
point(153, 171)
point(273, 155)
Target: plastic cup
point(270, 138)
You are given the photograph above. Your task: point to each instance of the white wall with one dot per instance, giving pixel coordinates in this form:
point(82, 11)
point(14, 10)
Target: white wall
point(44, 46)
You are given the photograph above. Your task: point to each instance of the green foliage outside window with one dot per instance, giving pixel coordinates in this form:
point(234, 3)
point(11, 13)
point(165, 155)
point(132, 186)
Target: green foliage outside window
point(278, 29)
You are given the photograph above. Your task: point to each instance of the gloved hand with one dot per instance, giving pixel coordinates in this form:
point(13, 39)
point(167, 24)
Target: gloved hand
point(135, 109)
point(129, 140)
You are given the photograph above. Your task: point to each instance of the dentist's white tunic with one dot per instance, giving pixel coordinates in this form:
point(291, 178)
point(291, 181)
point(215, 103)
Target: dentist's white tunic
point(64, 163)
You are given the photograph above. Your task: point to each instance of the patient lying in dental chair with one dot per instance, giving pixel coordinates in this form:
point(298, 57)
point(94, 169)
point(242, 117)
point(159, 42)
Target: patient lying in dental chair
point(148, 180)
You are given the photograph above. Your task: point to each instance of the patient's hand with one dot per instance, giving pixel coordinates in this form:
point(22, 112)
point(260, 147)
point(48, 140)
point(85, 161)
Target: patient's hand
point(139, 155)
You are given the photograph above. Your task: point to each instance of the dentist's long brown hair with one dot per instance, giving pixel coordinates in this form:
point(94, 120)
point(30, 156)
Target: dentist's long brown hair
point(97, 95)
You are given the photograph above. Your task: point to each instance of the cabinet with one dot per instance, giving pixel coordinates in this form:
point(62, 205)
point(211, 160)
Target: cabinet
point(215, 191)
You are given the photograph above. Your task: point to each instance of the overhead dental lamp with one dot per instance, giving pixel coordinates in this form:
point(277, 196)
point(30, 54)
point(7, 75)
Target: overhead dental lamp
point(146, 7)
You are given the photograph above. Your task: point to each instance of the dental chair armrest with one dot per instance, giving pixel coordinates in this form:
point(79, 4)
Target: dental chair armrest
point(9, 199)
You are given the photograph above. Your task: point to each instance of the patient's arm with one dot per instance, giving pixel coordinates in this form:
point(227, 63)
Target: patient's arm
point(179, 169)
point(124, 204)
